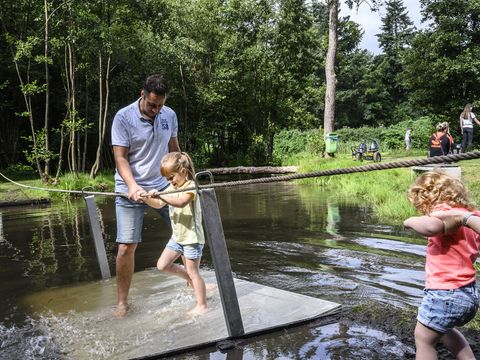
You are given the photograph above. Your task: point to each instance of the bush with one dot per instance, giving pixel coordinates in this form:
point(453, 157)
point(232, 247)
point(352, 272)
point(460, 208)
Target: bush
point(20, 171)
point(290, 142)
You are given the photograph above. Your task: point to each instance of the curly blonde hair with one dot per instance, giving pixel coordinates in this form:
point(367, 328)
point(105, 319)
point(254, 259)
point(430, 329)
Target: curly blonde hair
point(436, 187)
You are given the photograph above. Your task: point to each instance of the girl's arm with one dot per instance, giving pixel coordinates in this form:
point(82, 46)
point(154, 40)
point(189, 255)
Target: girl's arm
point(458, 218)
point(152, 202)
point(425, 225)
point(472, 221)
point(179, 201)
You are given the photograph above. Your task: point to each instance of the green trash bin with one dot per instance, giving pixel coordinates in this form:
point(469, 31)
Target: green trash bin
point(331, 141)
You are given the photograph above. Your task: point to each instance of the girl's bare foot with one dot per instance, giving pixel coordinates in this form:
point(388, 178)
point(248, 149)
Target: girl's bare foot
point(210, 286)
point(198, 310)
point(120, 311)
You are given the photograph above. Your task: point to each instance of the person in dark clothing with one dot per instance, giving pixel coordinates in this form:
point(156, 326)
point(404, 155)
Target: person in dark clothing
point(439, 143)
point(467, 117)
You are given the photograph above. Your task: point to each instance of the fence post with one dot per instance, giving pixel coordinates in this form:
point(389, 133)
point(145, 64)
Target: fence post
point(221, 262)
point(97, 236)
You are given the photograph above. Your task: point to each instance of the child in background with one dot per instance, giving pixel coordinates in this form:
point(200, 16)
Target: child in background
point(187, 233)
point(450, 296)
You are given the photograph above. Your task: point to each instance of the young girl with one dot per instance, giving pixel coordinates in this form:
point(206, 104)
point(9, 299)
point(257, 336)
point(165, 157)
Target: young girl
point(450, 295)
point(187, 233)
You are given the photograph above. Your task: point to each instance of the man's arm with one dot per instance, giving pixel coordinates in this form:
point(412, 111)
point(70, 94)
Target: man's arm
point(173, 145)
point(120, 154)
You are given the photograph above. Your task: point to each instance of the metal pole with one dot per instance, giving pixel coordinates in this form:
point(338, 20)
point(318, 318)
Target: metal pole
point(221, 262)
point(97, 236)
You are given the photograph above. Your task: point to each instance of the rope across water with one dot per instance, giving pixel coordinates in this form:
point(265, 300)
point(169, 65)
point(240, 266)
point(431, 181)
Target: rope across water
point(331, 172)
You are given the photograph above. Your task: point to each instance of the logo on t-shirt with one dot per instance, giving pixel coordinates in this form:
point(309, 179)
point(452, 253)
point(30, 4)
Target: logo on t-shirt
point(164, 124)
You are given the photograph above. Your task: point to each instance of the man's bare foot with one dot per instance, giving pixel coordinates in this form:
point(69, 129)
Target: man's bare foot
point(120, 311)
point(198, 310)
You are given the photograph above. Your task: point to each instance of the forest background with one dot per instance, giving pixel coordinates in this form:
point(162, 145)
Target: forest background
point(245, 75)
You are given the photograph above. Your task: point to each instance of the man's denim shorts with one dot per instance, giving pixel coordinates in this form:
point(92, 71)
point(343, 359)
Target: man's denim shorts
point(442, 310)
point(130, 219)
point(191, 252)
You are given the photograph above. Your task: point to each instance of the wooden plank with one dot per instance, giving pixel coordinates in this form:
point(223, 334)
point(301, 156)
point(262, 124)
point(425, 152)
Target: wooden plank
point(221, 261)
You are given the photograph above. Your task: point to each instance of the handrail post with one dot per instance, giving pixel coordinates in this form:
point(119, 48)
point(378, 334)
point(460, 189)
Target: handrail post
point(97, 236)
point(221, 262)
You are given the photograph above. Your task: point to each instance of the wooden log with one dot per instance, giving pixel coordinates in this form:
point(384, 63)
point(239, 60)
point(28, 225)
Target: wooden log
point(254, 170)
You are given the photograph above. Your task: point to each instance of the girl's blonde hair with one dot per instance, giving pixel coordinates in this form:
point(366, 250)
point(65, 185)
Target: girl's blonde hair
point(176, 162)
point(466, 111)
point(436, 187)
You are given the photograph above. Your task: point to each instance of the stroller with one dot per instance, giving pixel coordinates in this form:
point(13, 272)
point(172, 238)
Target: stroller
point(364, 152)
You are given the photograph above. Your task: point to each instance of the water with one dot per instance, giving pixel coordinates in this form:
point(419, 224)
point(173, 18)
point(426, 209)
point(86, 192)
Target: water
point(289, 236)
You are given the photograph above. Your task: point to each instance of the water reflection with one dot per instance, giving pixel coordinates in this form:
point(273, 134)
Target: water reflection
point(289, 236)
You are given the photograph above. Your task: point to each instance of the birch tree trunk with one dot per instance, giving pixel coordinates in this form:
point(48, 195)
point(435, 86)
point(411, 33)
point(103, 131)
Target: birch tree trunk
point(331, 80)
point(103, 111)
point(47, 91)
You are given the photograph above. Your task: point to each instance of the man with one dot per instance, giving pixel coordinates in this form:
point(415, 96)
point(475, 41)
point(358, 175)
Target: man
point(142, 133)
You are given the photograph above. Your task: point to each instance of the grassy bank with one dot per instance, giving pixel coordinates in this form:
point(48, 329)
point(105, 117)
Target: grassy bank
point(384, 190)
point(11, 193)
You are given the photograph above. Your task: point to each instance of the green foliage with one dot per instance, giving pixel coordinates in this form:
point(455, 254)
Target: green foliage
point(38, 152)
point(19, 171)
point(289, 143)
point(239, 72)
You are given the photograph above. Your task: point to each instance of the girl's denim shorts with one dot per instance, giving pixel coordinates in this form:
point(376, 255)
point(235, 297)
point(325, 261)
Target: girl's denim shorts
point(442, 310)
point(191, 252)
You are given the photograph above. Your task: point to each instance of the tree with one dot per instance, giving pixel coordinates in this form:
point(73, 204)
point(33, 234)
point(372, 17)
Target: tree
point(443, 65)
point(395, 38)
point(330, 76)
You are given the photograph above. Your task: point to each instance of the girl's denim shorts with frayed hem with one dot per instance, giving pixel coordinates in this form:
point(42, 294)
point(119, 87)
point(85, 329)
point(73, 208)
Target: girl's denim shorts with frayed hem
point(191, 252)
point(442, 310)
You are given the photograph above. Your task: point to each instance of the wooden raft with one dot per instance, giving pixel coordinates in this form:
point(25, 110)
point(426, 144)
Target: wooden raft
point(80, 317)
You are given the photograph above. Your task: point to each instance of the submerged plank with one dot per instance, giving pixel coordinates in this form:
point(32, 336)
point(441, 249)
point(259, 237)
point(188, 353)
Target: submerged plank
point(80, 317)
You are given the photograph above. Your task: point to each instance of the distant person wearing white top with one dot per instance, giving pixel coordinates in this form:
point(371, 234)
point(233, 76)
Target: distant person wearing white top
point(408, 139)
point(467, 117)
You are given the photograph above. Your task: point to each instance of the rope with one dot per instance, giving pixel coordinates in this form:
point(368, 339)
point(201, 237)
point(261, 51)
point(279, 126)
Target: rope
point(331, 172)
point(79, 192)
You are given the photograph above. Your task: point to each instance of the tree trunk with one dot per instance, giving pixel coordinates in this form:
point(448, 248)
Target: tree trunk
point(102, 113)
point(47, 92)
point(185, 110)
point(331, 81)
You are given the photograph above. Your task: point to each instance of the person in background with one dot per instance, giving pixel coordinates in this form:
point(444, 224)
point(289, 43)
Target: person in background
point(439, 143)
point(449, 136)
point(408, 139)
point(142, 133)
point(450, 299)
point(187, 238)
point(467, 117)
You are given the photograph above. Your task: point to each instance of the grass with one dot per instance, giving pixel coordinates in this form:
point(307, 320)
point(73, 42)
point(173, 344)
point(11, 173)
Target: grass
point(10, 192)
point(384, 190)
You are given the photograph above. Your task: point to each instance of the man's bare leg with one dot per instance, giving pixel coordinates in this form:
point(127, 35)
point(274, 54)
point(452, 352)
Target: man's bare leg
point(125, 265)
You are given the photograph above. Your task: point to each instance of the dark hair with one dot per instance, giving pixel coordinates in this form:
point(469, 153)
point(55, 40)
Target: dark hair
point(157, 84)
